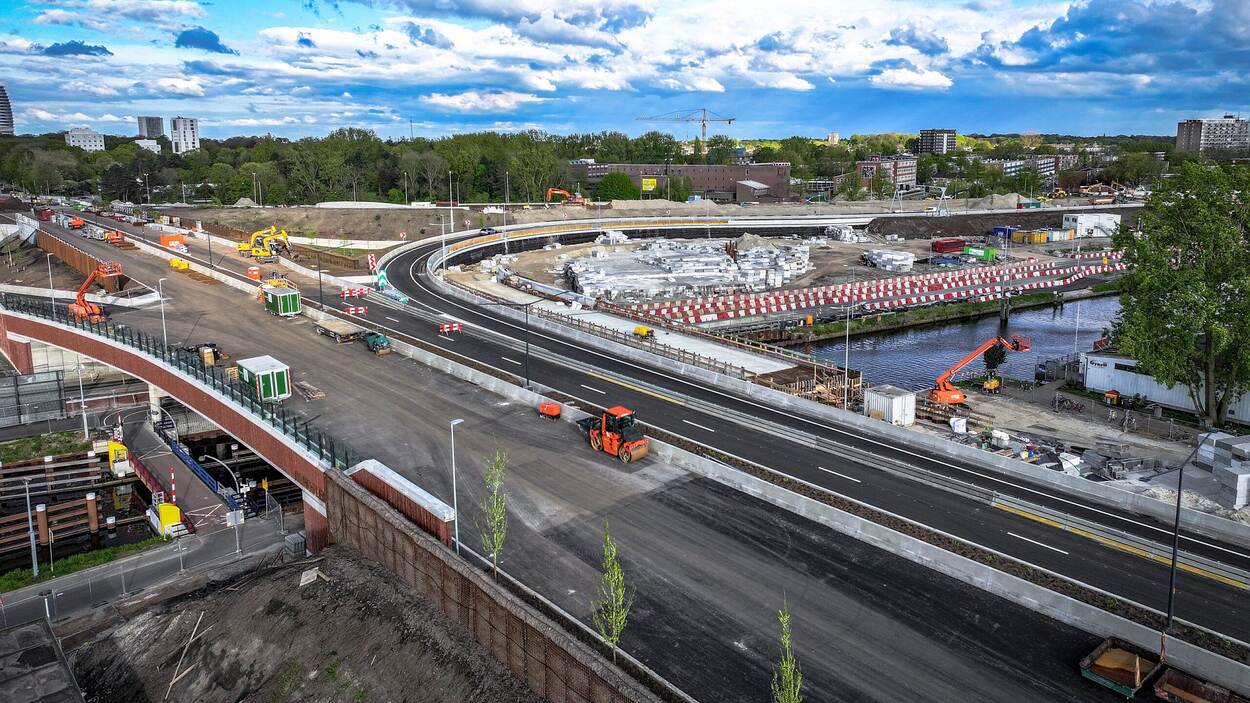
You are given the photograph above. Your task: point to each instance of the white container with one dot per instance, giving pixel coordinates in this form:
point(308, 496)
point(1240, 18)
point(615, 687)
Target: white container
point(890, 404)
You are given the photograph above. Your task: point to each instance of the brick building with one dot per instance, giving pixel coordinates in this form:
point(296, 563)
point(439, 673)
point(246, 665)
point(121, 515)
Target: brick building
point(901, 169)
point(736, 183)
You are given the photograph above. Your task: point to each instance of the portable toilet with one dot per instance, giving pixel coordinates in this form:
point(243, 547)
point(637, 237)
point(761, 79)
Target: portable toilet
point(268, 378)
point(283, 302)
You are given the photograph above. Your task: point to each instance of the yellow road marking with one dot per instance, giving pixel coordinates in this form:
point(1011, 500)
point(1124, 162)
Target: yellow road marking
point(1124, 547)
point(636, 389)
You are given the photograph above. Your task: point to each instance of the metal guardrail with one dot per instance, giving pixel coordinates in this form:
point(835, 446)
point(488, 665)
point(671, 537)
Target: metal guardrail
point(333, 452)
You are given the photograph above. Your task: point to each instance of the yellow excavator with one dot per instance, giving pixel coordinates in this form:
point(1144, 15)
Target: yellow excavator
point(267, 251)
point(254, 240)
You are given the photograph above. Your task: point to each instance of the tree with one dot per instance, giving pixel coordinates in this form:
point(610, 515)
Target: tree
point(611, 609)
point(494, 509)
point(1186, 302)
point(617, 186)
point(852, 187)
point(881, 185)
point(787, 678)
point(1071, 179)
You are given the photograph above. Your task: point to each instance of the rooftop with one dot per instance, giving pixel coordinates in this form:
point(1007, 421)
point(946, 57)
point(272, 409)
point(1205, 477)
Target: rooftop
point(33, 669)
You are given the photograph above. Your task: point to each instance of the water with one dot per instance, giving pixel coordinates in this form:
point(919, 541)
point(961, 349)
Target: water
point(913, 358)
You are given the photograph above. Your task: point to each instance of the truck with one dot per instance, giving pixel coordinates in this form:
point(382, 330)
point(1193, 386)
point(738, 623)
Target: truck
point(1120, 667)
point(43, 214)
point(377, 343)
point(616, 432)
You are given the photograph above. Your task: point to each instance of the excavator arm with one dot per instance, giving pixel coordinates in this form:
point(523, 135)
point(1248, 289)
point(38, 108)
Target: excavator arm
point(946, 393)
point(83, 309)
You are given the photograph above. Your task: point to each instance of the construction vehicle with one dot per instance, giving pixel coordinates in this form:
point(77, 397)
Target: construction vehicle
point(254, 240)
point(992, 385)
point(377, 343)
point(77, 223)
point(114, 237)
point(616, 432)
point(569, 198)
point(339, 330)
point(43, 214)
point(270, 247)
point(644, 332)
point(945, 393)
point(86, 311)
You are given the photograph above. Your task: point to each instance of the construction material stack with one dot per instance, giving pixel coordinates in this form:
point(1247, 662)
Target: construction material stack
point(890, 260)
point(1231, 467)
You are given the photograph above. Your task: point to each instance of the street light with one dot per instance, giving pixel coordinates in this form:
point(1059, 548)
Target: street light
point(30, 526)
point(1176, 546)
point(455, 501)
point(406, 201)
point(238, 487)
point(82, 402)
point(846, 347)
point(526, 307)
point(160, 289)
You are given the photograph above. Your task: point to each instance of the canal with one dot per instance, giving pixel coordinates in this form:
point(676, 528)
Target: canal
point(913, 358)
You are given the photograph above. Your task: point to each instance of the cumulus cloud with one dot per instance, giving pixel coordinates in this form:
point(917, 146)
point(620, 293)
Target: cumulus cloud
point(429, 36)
point(76, 48)
point(105, 15)
point(478, 101)
point(910, 77)
point(203, 39)
point(181, 86)
point(89, 87)
point(922, 40)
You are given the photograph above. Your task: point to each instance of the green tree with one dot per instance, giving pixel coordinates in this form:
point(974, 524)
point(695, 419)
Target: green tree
point(787, 677)
point(617, 186)
point(611, 609)
point(880, 184)
point(852, 187)
point(494, 509)
point(1186, 302)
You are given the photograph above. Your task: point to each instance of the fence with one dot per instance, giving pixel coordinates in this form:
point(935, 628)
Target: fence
point(301, 432)
point(32, 398)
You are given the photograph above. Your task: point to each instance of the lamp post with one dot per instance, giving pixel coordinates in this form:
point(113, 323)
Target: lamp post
point(451, 198)
point(238, 487)
point(160, 290)
point(82, 402)
point(30, 526)
point(1176, 546)
point(406, 201)
point(455, 500)
point(846, 347)
point(506, 194)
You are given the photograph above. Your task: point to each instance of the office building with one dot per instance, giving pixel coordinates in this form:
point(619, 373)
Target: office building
point(6, 114)
point(151, 127)
point(832, 138)
point(1227, 133)
point(756, 182)
point(85, 139)
point(184, 134)
point(150, 144)
point(937, 141)
point(901, 170)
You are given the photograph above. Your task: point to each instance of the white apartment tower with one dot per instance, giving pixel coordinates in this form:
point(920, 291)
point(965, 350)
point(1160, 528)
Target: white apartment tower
point(184, 134)
point(1227, 133)
point(85, 139)
point(6, 114)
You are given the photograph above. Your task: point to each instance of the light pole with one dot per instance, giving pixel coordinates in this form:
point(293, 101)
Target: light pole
point(82, 402)
point(51, 288)
point(455, 501)
point(506, 193)
point(442, 223)
point(451, 199)
point(160, 290)
point(846, 347)
point(406, 201)
point(238, 487)
point(1176, 546)
point(30, 526)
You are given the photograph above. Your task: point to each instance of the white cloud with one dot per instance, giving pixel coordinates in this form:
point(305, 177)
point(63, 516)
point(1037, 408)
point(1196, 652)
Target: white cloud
point(910, 78)
point(181, 86)
point(475, 101)
point(90, 87)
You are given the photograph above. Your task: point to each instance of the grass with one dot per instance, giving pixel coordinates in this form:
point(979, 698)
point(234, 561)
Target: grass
point(21, 578)
point(920, 316)
point(52, 444)
point(1115, 285)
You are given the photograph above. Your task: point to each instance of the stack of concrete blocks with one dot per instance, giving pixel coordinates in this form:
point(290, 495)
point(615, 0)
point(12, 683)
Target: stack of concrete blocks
point(890, 260)
point(1232, 471)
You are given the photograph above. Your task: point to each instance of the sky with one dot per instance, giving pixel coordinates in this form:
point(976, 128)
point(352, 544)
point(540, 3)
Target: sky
point(298, 68)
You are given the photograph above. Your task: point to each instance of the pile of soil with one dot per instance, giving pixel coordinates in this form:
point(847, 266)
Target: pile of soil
point(955, 225)
point(355, 634)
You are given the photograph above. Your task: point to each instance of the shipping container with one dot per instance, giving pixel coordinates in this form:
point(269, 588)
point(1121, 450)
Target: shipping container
point(948, 245)
point(1004, 231)
point(986, 254)
point(1061, 235)
point(283, 302)
point(266, 378)
point(169, 240)
point(890, 404)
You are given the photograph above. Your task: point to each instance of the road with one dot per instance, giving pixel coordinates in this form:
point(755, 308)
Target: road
point(711, 565)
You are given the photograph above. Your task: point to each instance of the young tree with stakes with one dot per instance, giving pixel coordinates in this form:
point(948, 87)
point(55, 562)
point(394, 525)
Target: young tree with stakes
point(494, 509)
point(611, 610)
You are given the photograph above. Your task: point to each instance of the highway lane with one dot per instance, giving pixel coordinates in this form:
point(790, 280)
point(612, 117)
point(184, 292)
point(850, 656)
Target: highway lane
point(1200, 600)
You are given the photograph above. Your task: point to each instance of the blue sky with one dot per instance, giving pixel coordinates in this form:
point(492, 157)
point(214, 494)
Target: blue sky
point(305, 67)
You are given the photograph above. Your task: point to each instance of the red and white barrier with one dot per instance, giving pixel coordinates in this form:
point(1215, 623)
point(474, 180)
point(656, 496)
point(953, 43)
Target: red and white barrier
point(356, 309)
point(448, 327)
point(353, 293)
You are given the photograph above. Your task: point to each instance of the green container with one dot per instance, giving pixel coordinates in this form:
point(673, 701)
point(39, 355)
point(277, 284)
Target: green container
point(267, 378)
point(986, 254)
point(283, 302)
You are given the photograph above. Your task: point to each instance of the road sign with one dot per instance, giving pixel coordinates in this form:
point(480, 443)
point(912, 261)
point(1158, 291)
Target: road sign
point(234, 518)
point(373, 263)
point(648, 184)
point(383, 281)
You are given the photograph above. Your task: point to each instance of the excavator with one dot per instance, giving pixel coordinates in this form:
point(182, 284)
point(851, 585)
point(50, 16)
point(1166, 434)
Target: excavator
point(270, 247)
point(569, 198)
point(946, 393)
point(254, 240)
point(81, 308)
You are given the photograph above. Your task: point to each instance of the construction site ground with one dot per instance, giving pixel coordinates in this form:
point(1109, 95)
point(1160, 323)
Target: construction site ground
point(963, 224)
point(353, 633)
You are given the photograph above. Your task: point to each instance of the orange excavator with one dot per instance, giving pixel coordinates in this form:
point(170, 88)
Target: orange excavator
point(569, 198)
point(87, 311)
point(946, 393)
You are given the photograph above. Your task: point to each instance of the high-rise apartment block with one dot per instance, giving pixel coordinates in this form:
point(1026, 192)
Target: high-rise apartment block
point(937, 141)
point(1227, 133)
point(85, 139)
point(151, 127)
point(184, 134)
point(6, 114)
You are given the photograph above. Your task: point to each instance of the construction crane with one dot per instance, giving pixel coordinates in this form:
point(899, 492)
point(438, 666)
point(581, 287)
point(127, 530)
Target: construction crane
point(701, 115)
point(946, 393)
point(83, 310)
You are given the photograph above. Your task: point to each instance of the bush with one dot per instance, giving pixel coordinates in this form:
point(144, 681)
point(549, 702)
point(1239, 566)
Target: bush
point(617, 186)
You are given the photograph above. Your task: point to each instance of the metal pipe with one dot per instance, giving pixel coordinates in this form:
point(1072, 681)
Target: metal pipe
point(30, 526)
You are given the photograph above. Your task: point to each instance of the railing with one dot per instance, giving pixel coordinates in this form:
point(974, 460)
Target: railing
point(333, 453)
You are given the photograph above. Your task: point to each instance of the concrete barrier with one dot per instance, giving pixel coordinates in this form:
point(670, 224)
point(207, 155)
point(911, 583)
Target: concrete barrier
point(135, 302)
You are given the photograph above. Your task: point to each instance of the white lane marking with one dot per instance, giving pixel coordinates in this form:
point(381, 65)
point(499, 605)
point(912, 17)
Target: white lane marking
point(511, 361)
point(1040, 544)
point(695, 424)
point(392, 319)
point(801, 418)
point(835, 473)
point(583, 385)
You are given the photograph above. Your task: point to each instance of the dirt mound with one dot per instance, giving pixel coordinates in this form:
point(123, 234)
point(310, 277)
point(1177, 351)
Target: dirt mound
point(750, 241)
point(958, 225)
point(245, 202)
point(360, 635)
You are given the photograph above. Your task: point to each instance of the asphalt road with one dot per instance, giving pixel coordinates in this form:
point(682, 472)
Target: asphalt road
point(710, 565)
point(818, 455)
